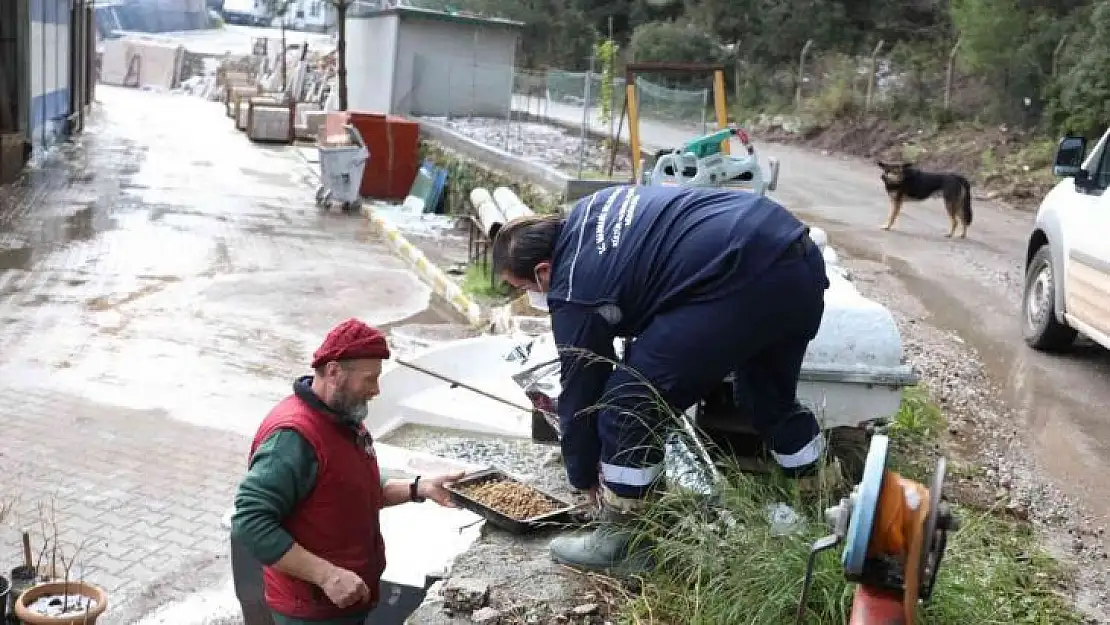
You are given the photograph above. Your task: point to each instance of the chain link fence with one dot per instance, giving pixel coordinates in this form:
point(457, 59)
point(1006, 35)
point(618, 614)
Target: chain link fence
point(657, 98)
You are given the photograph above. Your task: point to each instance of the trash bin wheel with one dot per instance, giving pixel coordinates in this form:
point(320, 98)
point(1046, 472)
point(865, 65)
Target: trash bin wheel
point(353, 207)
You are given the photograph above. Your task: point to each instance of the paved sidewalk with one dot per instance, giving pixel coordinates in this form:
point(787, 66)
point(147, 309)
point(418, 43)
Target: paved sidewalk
point(161, 283)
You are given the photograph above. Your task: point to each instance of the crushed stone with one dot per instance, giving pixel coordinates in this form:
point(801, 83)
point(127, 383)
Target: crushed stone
point(541, 143)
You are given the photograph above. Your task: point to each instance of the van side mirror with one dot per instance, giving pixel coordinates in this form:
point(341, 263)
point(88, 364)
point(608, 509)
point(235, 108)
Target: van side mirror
point(1069, 157)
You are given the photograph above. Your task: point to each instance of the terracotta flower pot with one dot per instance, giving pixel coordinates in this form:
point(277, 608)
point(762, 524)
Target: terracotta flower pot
point(28, 616)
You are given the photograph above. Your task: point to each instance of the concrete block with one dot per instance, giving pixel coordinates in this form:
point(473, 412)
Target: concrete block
point(270, 122)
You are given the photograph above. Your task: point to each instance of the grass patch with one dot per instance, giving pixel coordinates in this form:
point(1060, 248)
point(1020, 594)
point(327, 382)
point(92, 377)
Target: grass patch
point(476, 283)
point(738, 572)
point(464, 174)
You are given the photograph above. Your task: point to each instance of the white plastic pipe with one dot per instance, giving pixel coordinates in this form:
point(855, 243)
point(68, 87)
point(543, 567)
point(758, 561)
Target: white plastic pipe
point(510, 204)
point(490, 216)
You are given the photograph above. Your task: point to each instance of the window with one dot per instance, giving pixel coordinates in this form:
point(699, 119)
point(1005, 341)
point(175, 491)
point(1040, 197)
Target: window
point(1101, 175)
point(314, 8)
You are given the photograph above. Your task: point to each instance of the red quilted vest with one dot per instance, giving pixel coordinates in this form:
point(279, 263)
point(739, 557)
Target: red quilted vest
point(338, 521)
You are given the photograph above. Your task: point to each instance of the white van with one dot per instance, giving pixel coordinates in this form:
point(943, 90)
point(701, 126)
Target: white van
point(1067, 261)
point(244, 12)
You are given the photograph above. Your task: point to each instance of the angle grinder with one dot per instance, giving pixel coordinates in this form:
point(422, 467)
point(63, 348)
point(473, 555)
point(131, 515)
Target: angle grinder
point(895, 531)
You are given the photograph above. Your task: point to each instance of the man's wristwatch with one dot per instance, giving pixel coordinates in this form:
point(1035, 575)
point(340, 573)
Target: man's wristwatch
point(414, 491)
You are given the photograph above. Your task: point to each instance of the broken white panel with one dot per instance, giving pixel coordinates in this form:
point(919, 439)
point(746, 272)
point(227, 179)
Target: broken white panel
point(412, 397)
point(135, 62)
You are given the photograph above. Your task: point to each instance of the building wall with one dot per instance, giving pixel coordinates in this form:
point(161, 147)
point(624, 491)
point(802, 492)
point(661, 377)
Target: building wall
point(450, 68)
point(12, 63)
point(156, 16)
point(371, 46)
point(315, 15)
point(49, 55)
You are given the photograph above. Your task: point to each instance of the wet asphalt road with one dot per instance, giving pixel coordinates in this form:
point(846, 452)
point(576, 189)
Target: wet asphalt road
point(162, 281)
point(175, 256)
point(971, 287)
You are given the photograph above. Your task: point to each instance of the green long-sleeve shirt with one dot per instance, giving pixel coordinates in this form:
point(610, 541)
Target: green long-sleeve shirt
point(282, 473)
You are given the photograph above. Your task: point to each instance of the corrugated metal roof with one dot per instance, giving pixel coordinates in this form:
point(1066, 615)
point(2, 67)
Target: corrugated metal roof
point(410, 12)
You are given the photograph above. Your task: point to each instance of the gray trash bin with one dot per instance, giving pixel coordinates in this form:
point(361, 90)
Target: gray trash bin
point(341, 169)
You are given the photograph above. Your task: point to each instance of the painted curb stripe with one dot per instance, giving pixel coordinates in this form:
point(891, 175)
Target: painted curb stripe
point(441, 284)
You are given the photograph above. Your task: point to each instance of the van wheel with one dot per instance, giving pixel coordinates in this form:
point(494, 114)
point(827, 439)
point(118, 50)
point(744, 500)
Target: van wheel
point(1040, 328)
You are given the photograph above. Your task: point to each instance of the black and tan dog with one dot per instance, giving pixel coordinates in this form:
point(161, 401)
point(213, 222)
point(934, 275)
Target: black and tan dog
point(905, 182)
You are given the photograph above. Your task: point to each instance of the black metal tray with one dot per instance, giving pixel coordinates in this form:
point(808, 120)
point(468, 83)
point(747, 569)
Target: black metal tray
point(559, 516)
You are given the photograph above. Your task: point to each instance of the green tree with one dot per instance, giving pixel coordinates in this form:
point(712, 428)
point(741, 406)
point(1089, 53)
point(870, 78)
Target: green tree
point(675, 41)
point(1083, 104)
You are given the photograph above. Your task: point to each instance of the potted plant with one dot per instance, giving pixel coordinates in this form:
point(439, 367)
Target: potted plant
point(5, 583)
point(58, 599)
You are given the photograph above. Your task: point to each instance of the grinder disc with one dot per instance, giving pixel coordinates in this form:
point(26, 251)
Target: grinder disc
point(921, 561)
point(933, 542)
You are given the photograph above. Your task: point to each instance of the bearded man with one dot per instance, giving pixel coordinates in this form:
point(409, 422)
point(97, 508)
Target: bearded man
point(308, 507)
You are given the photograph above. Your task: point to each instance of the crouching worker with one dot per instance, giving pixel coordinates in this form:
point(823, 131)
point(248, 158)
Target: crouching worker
point(308, 506)
point(708, 282)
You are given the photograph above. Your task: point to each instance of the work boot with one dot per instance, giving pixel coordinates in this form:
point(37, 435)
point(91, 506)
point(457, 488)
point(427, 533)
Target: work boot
point(610, 548)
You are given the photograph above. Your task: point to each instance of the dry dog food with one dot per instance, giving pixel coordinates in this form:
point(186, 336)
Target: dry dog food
point(512, 499)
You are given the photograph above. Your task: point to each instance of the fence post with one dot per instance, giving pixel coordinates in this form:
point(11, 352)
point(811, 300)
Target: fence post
point(473, 76)
point(736, 71)
point(450, 95)
point(509, 112)
point(871, 75)
point(948, 77)
point(1056, 55)
point(585, 117)
point(801, 73)
point(704, 106)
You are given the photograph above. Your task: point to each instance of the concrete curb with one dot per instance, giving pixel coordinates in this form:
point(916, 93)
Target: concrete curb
point(548, 178)
point(441, 284)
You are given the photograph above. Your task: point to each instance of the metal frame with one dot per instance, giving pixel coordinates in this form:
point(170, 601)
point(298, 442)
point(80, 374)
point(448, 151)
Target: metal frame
point(631, 105)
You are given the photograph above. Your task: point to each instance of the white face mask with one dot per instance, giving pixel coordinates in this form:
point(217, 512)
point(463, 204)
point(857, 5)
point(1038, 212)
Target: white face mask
point(537, 300)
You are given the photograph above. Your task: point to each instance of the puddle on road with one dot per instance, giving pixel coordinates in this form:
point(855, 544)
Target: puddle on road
point(197, 299)
point(1061, 399)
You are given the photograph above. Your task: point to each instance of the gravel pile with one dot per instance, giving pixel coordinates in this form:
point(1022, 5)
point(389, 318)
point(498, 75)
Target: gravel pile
point(541, 143)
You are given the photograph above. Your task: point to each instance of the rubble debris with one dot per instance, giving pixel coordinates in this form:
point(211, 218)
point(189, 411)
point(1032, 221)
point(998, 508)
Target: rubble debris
point(465, 594)
point(308, 78)
point(586, 609)
point(486, 616)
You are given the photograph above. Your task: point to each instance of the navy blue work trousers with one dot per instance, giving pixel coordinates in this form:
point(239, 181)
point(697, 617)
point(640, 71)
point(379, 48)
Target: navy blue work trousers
point(761, 332)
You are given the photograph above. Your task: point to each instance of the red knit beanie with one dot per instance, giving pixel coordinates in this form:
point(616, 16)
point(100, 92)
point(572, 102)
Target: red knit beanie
point(351, 340)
